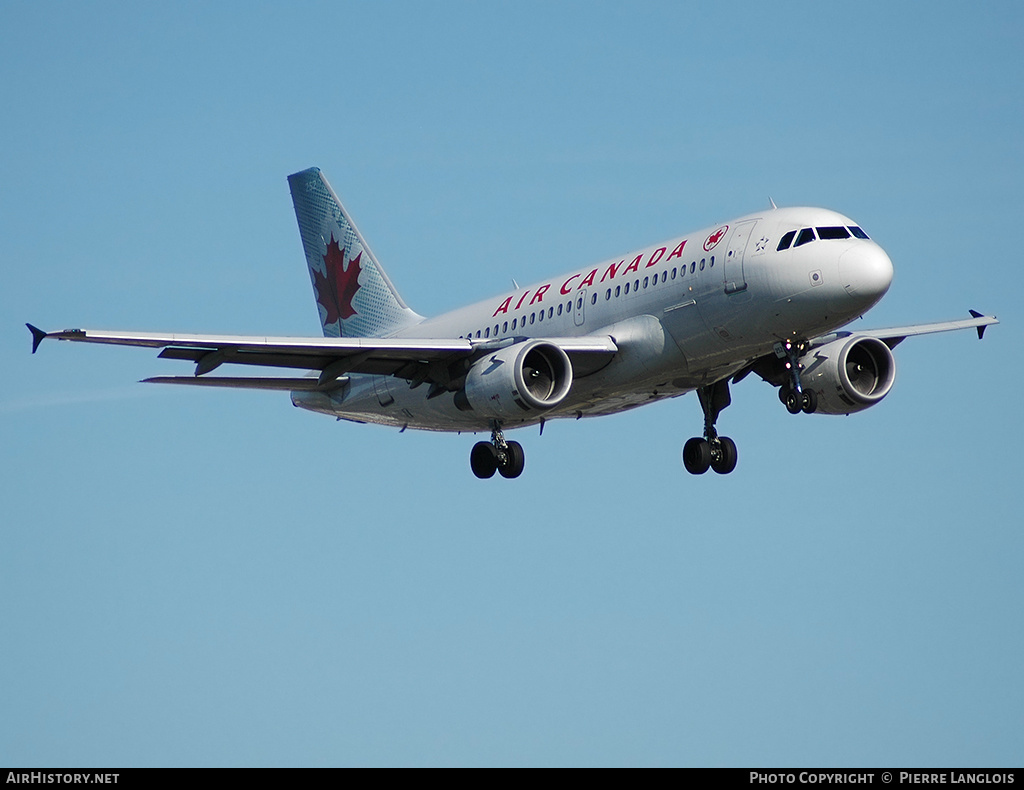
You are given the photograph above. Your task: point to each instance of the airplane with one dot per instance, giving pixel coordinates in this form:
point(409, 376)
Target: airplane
point(767, 293)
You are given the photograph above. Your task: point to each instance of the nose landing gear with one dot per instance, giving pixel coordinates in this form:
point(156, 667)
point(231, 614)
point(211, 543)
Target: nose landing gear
point(713, 451)
point(497, 455)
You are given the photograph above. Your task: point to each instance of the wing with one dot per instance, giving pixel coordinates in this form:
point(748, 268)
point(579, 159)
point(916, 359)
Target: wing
point(441, 362)
point(893, 336)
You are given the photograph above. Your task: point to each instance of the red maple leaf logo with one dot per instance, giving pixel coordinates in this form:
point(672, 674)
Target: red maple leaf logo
point(714, 238)
point(336, 291)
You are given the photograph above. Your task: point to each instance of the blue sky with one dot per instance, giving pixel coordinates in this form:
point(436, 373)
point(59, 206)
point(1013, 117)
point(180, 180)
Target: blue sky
point(217, 578)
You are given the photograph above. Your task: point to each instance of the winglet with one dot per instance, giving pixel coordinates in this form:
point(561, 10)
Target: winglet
point(38, 336)
point(981, 329)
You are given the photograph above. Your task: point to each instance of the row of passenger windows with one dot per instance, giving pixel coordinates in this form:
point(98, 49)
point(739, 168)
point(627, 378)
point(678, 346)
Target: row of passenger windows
point(619, 290)
point(807, 235)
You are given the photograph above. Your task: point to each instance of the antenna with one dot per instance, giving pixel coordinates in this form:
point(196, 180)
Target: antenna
point(772, 202)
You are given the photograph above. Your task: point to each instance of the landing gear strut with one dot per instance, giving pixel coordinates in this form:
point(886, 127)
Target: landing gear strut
point(497, 455)
point(713, 451)
point(792, 394)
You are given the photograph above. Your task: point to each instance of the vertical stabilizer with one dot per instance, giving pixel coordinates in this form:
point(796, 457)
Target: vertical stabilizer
point(354, 295)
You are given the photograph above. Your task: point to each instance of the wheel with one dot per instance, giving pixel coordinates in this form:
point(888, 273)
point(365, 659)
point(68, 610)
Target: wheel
point(514, 462)
point(783, 392)
point(794, 402)
point(726, 461)
point(697, 456)
point(483, 460)
point(810, 402)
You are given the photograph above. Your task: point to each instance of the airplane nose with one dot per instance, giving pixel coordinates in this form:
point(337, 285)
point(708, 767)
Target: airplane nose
point(866, 272)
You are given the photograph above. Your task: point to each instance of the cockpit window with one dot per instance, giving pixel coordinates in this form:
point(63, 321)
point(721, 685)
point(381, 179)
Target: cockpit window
point(858, 232)
point(806, 235)
point(785, 241)
point(833, 233)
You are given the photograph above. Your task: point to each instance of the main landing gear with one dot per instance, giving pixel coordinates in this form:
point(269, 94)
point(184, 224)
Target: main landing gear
point(793, 396)
point(713, 451)
point(497, 455)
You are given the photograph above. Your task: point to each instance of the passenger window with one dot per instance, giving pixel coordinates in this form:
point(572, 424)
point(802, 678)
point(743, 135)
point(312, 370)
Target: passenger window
point(673, 272)
point(702, 264)
point(579, 303)
point(785, 241)
point(504, 327)
point(495, 330)
point(593, 299)
point(608, 294)
point(559, 308)
point(711, 263)
point(693, 266)
point(551, 312)
point(636, 285)
point(806, 235)
point(858, 232)
point(626, 289)
point(664, 275)
point(618, 290)
point(833, 233)
point(487, 332)
point(646, 280)
point(540, 316)
point(514, 320)
point(532, 316)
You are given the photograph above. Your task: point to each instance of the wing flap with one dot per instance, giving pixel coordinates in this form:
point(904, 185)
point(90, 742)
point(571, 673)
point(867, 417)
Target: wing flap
point(252, 383)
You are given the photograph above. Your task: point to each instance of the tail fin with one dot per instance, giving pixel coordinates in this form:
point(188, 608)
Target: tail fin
point(354, 295)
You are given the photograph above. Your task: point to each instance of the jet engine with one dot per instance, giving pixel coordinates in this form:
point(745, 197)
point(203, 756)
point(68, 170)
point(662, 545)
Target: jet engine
point(511, 383)
point(849, 374)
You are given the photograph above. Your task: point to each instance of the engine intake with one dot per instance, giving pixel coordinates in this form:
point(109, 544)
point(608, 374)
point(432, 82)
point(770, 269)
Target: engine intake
point(526, 377)
point(849, 374)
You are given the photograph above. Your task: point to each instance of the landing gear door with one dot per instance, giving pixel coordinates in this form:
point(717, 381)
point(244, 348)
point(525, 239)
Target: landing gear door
point(734, 279)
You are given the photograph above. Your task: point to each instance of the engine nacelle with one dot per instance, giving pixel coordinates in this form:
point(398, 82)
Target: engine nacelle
point(516, 381)
point(849, 374)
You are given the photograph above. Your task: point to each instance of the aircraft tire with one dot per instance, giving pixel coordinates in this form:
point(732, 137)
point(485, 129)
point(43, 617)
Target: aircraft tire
point(483, 460)
point(516, 461)
point(727, 462)
point(810, 402)
point(793, 402)
point(697, 456)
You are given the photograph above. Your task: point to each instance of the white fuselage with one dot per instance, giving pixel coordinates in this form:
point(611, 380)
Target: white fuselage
point(683, 314)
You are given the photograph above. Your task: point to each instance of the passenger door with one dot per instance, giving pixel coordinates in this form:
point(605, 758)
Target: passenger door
point(733, 265)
